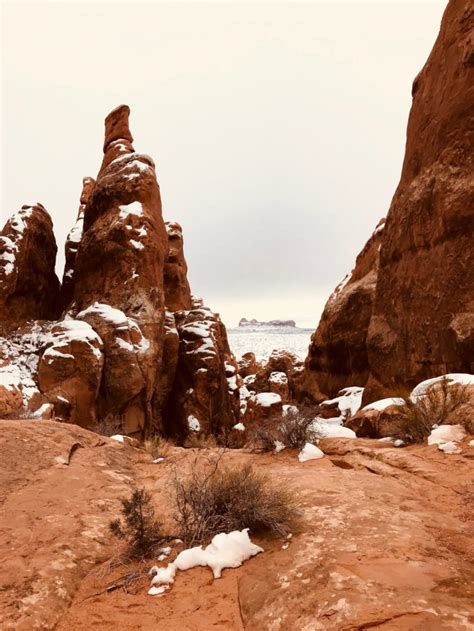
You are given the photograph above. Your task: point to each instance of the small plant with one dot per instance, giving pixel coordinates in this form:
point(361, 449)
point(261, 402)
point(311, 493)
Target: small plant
point(197, 440)
point(231, 498)
point(110, 425)
point(157, 446)
point(294, 428)
point(432, 407)
point(138, 525)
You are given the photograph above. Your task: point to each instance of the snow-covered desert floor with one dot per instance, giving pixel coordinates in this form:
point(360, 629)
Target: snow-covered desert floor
point(262, 341)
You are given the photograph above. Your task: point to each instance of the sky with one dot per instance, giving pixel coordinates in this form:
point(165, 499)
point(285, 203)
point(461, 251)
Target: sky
point(277, 129)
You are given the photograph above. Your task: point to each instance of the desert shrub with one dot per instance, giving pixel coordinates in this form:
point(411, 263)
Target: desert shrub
point(263, 436)
point(433, 407)
point(110, 425)
point(230, 498)
point(157, 446)
point(138, 526)
point(294, 428)
point(197, 440)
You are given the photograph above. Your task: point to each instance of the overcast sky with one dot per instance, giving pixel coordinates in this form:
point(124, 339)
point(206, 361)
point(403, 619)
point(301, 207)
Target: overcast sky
point(278, 129)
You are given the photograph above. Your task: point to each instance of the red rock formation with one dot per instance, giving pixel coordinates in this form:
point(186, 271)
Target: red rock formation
point(72, 244)
point(123, 358)
point(28, 284)
point(177, 291)
point(70, 370)
point(205, 395)
point(423, 318)
point(280, 373)
point(119, 264)
point(337, 356)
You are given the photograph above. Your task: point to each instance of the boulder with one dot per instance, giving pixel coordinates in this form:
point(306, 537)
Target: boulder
point(28, 284)
point(248, 365)
point(70, 371)
point(280, 373)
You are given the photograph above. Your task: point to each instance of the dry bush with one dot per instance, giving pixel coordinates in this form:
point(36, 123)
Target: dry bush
point(110, 425)
point(293, 429)
point(228, 498)
point(197, 440)
point(138, 526)
point(157, 446)
point(433, 407)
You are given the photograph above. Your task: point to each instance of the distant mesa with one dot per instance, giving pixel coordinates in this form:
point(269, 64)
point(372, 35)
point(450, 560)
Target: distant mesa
point(251, 323)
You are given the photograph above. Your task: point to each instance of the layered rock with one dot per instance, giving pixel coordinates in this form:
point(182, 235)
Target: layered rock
point(423, 316)
point(337, 356)
point(205, 394)
point(28, 284)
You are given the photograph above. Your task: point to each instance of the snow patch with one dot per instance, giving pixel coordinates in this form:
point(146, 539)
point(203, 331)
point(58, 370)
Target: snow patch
point(226, 550)
point(267, 399)
point(310, 452)
point(445, 434)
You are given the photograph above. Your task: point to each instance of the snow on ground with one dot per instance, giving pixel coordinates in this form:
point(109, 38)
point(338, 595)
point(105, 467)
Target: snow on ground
point(263, 341)
point(445, 434)
point(451, 447)
point(226, 550)
point(325, 429)
point(310, 452)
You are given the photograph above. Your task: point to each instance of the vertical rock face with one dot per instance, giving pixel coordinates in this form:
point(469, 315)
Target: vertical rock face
point(406, 312)
point(28, 284)
point(177, 291)
point(72, 244)
point(423, 318)
point(337, 355)
point(118, 275)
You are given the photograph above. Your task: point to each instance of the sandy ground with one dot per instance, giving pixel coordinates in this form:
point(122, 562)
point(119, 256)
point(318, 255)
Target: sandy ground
point(385, 540)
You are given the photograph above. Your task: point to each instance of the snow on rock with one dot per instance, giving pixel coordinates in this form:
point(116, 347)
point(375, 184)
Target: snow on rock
point(135, 208)
point(382, 404)
point(348, 401)
point(471, 443)
point(279, 446)
point(128, 335)
point(120, 438)
point(267, 399)
point(445, 434)
point(278, 378)
point(193, 423)
point(325, 429)
point(226, 550)
point(240, 427)
point(310, 452)
point(289, 409)
point(464, 379)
